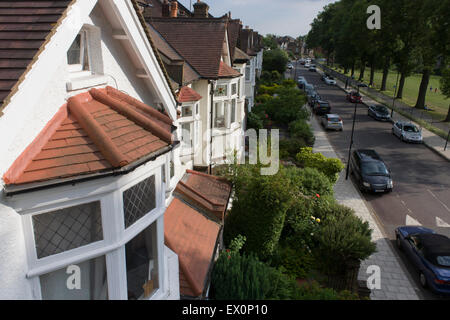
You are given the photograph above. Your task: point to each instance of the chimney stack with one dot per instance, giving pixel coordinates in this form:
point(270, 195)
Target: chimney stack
point(201, 10)
point(165, 9)
point(174, 9)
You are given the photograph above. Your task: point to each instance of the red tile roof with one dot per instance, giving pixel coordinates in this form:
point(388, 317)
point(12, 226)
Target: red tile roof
point(198, 41)
point(225, 71)
point(187, 94)
point(207, 192)
point(95, 131)
point(24, 28)
point(193, 238)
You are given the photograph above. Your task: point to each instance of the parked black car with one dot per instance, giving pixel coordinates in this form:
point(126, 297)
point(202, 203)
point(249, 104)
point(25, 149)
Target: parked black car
point(324, 76)
point(313, 98)
point(321, 107)
point(370, 171)
point(379, 113)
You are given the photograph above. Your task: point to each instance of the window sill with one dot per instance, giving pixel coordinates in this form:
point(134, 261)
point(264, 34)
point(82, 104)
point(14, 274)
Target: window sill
point(86, 82)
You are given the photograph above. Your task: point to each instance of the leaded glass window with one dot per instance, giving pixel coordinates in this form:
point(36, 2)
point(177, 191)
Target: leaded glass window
point(67, 229)
point(139, 200)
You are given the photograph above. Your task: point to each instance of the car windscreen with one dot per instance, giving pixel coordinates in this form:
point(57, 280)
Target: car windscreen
point(324, 105)
point(409, 128)
point(443, 260)
point(330, 78)
point(382, 110)
point(374, 168)
point(333, 119)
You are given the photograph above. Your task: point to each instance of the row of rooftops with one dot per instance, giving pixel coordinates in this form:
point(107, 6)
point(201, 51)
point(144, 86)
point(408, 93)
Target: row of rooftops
point(191, 43)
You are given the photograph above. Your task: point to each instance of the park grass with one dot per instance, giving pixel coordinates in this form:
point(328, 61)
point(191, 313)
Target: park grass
point(436, 101)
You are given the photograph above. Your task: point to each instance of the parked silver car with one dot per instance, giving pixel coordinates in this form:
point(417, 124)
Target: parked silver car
point(407, 132)
point(332, 121)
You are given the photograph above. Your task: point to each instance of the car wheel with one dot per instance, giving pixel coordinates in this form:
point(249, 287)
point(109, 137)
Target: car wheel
point(399, 243)
point(403, 138)
point(423, 279)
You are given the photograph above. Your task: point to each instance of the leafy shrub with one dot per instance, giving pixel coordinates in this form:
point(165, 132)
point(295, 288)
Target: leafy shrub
point(310, 181)
point(290, 147)
point(286, 106)
point(301, 129)
point(237, 277)
point(330, 167)
point(268, 90)
point(259, 208)
point(313, 291)
point(289, 83)
point(263, 98)
point(344, 240)
point(275, 60)
point(295, 263)
point(254, 121)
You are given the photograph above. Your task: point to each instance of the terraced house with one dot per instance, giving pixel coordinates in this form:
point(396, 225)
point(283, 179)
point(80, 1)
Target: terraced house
point(213, 77)
point(100, 117)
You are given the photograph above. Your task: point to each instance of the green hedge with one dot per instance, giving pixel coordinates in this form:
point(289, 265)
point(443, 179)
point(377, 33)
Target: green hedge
point(331, 167)
point(259, 209)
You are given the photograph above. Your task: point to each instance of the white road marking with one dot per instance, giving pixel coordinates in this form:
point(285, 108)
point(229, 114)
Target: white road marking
point(442, 223)
point(443, 204)
point(410, 221)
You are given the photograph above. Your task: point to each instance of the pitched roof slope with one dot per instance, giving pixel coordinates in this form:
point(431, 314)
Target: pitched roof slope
point(207, 192)
point(187, 94)
point(166, 50)
point(192, 227)
point(198, 41)
point(95, 131)
point(25, 26)
point(225, 71)
point(193, 238)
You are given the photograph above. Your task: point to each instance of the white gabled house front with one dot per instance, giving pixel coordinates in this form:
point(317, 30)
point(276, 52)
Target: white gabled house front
point(91, 223)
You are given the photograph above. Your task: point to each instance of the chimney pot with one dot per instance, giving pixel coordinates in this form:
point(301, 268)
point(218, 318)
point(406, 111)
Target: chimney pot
point(174, 9)
point(201, 9)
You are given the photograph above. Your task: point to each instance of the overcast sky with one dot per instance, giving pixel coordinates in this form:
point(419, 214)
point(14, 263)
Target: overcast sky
point(280, 17)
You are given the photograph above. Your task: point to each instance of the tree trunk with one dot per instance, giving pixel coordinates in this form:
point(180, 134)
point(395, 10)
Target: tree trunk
point(447, 119)
point(353, 69)
point(400, 87)
point(420, 104)
point(372, 74)
point(361, 74)
point(385, 75)
point(345, 70)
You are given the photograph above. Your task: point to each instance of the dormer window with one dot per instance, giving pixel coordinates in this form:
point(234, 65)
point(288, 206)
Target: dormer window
point(78, 54)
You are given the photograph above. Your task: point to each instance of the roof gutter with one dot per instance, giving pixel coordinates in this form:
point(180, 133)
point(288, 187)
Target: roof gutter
point(19, 189)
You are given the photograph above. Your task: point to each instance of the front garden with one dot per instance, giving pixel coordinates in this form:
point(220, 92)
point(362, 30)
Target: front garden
point(286, 236)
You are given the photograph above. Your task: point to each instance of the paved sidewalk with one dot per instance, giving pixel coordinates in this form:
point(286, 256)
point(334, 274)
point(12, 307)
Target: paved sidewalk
point(395, 282)
point(431, 140)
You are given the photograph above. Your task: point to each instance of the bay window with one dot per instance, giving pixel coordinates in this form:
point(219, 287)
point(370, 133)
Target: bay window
point(110, 246)
point(219, 114)
point(142, 264)
point(233, 111)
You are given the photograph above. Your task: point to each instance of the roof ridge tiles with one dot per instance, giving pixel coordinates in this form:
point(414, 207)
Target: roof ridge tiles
point(106, 146)
point(133, 115)
point(138, 104)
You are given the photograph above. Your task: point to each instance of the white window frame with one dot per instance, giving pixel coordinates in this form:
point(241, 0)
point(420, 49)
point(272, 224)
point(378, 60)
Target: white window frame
point(84, 49)
point(109, 191)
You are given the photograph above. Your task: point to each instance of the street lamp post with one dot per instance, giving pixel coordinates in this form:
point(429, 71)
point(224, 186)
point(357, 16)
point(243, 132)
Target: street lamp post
point(446, 141)
point(351, 138)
